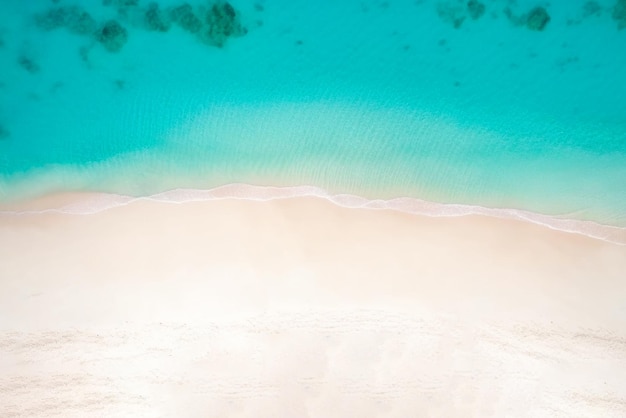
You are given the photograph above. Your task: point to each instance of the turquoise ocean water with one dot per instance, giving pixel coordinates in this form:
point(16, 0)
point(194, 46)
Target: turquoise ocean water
point(503, 104)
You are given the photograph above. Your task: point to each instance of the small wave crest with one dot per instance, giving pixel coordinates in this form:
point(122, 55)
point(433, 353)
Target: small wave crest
point(99, 202)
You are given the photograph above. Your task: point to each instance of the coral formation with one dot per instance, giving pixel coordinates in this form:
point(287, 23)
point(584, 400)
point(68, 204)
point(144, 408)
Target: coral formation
point(80, 22)
point(619, 13)
point(112, 36)
point(475, 9)
point(591, 8)
point(28, 64)
point(453, 13)
point(223, 23)
point(155, 19)
point(537, 19)
point(185, 17)
point(52, 19)
point(212, 24)
point(4, 134)
point(122, 6)
point(73, 18)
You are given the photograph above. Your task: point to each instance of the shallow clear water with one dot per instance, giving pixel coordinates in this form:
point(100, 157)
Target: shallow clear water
point(376, 98)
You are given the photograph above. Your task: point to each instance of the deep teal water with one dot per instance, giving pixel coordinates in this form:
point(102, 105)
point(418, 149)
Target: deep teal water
point(376, 98)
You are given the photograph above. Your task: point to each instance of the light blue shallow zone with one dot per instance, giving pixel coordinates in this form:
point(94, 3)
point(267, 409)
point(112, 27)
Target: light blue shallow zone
point(378, 98)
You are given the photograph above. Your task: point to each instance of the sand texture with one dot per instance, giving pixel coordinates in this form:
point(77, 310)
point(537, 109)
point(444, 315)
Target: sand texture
point(298, 307)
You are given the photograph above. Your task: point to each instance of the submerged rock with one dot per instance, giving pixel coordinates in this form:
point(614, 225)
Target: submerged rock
point(155, 19)
point(122, 6)
point(81, 22)
point(223, 23)
point(112, 36)
point(475, 9)
point(28, 64)
point(73, 18)
point(52, 19)
point(452, 13)
point(4, 134)
point(591, 8)
point(537, 19)
point(185, 17)
point(619, 13)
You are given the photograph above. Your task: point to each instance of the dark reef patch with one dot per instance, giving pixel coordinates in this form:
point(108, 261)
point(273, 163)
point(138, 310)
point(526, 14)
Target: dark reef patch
point(185, 17)
point(475, 9)
point(123, 7)
point(112, 36)
point(451, 12)
point(155, 19)
point(536, 19)
point(4, 133)
point(83, 52)
point(73, 18)
point(81, 22)
point(591, 8)
point(223, 23)
point(28, 64)
point(619, 13)
point(52, 19)
point(212, 23)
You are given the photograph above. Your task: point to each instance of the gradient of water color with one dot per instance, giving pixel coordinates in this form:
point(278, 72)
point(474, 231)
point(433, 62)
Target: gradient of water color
point(380, 99)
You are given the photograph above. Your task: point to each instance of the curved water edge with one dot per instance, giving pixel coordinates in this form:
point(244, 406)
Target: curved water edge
point(486, 104)
point(89, 204)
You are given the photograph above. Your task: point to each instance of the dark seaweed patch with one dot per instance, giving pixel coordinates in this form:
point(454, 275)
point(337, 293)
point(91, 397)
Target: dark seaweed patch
point(537, 19)
point(112, 36)
point(223, 23)
point(475, 9)
point(52, 19)
point(81, 22)
point(451, 13)
point(4, 133)
point(123, 7)
point(83, 52)
point(28, 64)
point(619, 13)
point(591, 8)
point(73, 18)
point(212, 24)
point(155, 19)
point(185, 17)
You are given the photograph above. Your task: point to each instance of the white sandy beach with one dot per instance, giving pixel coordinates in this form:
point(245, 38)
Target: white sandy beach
point(298, 307)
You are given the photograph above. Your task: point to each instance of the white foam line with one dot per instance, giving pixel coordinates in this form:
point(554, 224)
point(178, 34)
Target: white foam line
point(103, 202)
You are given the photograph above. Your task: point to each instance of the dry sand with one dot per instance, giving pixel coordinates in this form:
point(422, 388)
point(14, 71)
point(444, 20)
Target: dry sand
point(298, 307)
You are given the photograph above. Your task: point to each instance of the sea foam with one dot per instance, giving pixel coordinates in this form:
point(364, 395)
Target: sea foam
point(94, 203)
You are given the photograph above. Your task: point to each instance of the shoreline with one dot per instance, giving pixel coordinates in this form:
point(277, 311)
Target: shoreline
point(87, 203)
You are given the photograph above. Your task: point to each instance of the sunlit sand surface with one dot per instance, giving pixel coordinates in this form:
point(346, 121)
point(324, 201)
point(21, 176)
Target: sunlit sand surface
point(298, 306)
